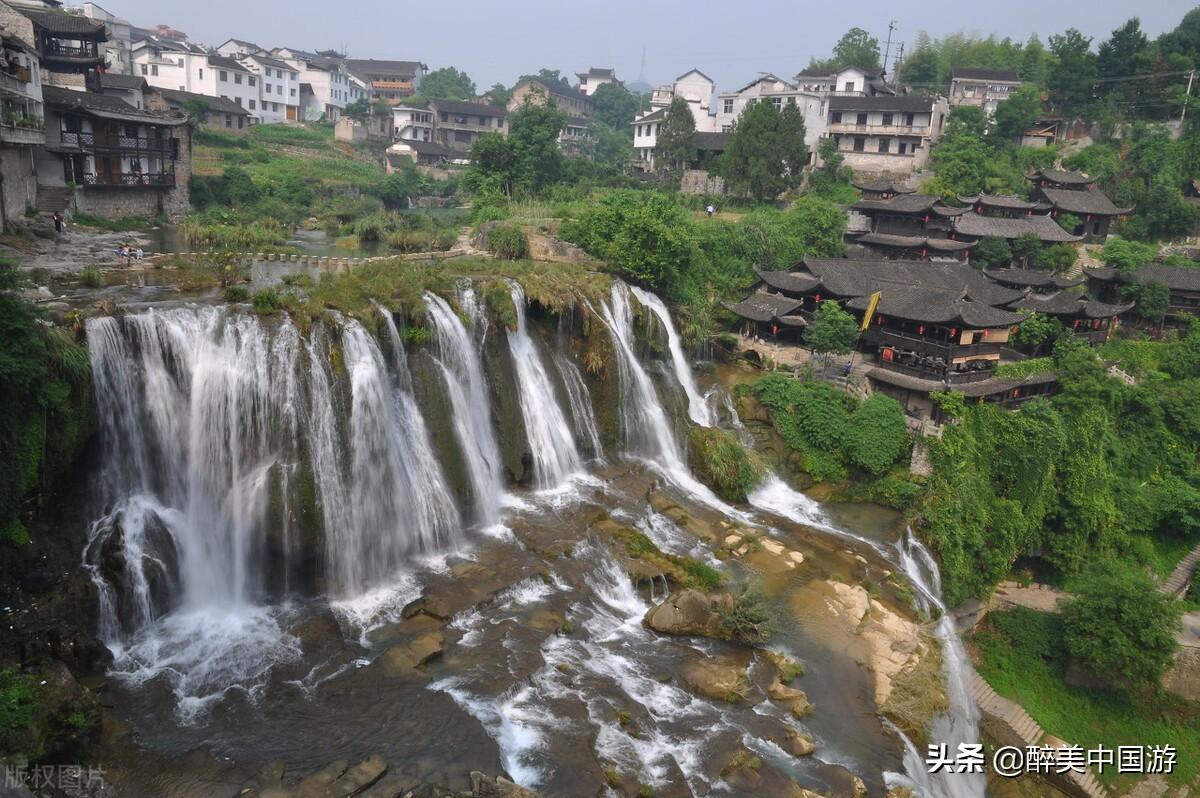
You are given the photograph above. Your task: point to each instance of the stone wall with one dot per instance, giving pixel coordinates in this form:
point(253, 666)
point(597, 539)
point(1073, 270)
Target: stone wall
point(119, 203)
point(698, 181)
point(16, 23)
point(18, 181)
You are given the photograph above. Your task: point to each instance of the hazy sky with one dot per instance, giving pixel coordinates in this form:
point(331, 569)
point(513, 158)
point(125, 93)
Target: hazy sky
point(730, 42)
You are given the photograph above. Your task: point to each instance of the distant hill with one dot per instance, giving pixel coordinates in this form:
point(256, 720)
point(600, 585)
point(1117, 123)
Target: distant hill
point(639, 87)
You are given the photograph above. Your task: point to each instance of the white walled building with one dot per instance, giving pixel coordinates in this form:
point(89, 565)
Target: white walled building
point(186, 67)
point(773, 89)
point(279, 88)
point(594, 78)
point(236, 48)
point(325, 87)
point(886, 134)
point(696, 89)
point(982, 88)
point(413, 122)
point(845, 82)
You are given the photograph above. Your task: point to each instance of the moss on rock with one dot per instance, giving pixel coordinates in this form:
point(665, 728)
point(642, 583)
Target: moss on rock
point(722, 463)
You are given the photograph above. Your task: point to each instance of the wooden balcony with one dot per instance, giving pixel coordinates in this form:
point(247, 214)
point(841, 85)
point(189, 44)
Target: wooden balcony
point(167, 148)
point(938, 374)
point(879, 130)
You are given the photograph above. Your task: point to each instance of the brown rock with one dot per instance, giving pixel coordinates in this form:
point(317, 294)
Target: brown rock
point(427, 605)
point(404, 658)
point(795, 700)
point(720, 679)
point(357, 779)
point(685, 612)
point(797, 743)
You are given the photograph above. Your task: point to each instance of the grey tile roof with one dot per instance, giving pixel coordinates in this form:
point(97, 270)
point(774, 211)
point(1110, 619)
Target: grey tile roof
point(711, 142)
point(653, 116)
point(1034, 278)
point(1045, 228)
point(789, 281)
point(269, 61)
point(848, 278)
point(883, 185)
point(222, 62)
point(972, 389)
point(762, 306)
point(115, 80)
point(553, 88)
point(60, 22)
point(924, 304)
point(937, 244)
point(1179, 278)
point(219, 105)
point(1001, 201)
point(362, 66)
point(901, 203)
point(1095, 203)
point(1066, 303)
point(1062, 176)
point(101, 105)
point(468, 109)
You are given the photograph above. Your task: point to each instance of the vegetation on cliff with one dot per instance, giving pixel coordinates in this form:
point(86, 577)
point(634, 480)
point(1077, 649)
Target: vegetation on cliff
point(720, 461)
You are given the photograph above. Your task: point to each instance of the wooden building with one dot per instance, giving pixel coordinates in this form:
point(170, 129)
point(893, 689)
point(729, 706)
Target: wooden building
point(1089, 319)
point(1076, 194)
point(1182, 283)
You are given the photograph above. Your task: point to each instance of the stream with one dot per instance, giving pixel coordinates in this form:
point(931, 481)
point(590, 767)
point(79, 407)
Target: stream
point(271, 500)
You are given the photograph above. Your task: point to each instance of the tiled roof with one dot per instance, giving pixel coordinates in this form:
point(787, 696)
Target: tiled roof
point(711, 142)
point(788, 281)
point(361, 66)
point(561, 90)
point(468, 109)
point(1034, 278)
point(921, 303)
point(848, 278)
point(904, 104)
point(274, 63)
point(115, 80)
point(218, 105)
point(1045, 228)
point(901, 203)
point(972, 389)
point(913, 242)
point(1062, 177)
point(101, 105)
point(1179, 278)
point(60, 22)
point(1065, 303)
point(1095, 203)
point(653, 116)
point(222, 62)
point(597, 72)
point(1001, 201)
point(1003, 75)
point(762, 306)
point(882, 186)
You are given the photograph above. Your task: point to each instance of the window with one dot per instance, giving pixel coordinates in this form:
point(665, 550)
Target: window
point(903, 147)
point(292, 75)
point(777, 102)
point(293, 93)
point(253, 80)
point(836, 117)
point(462, 135)
point(275, 107)
point(145, 69)
point(224, 76)
point(885, 145)
point(639, 130)
point(849, 86)
point(179, 62)
point(237, 78)
point(908, 120)
point(241, 122)
point(728, 107)
point(202, 73)
point(228, 120)
point(237, 100)
point(154, 69)
point(252, 105)
point(860, 144)
point(726, 128)
point(266, 88)
point(887, 119)
point(861, 119)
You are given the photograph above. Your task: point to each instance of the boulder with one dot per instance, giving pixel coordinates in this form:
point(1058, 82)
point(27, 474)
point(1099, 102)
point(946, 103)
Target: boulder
point(404, 658)
point(685, 612)
point(795, 700)
point(357, 778)
point(432, 606)
point(317, 630)
point(797, 743)
point(717, 678)
point(484, 786)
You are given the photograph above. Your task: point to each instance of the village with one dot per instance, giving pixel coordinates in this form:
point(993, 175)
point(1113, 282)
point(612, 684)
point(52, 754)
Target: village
point(381, 433)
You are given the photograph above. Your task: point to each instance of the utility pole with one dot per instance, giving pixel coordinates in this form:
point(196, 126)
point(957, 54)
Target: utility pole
point(888, 49)
point(896, 66)
point(1186, 96)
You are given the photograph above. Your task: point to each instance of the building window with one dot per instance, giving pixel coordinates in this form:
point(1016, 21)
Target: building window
point(275, 107)
point(885, 145)
point(292, 75)
point(836, 117)
point(237, 100)
point(860, 144)
point(887, 119)
point(903, 147)
point(228, 120)
point(224, 76)
point(293, 93)
point(908, 120)
point(145, 69)
point(237, 78)
point(201, 73)
point(241, 121)
point(266, 88)
point(728, 106)
point(252, 105)
point(253, 80)
point(849, 86)
point(154, 69)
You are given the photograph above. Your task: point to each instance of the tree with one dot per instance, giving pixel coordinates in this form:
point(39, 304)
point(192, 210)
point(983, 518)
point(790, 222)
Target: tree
point(1119, 627)
point(533, 132)
point(197, 108)
point(1126, 255)
point(857, 48)
point(819, 226)
point(876, 436)
point(1072, 72)
point(447, 83)
point(1039, 331)
point(612, 149)
point(1152, 299)
point(830, 177)
point(1057, 258)
point(1120, 57)
point(765, 154)
point(1033, 62)
point(920, 68)
point(676, 143)
point(615, 106)
point(961, 158)
point(1014, 116)
point(359, 109)
point(991, 252)
point(494, 158)
point(551, 76)
point(832, 330)
point(1025, 250)
point(499, 94)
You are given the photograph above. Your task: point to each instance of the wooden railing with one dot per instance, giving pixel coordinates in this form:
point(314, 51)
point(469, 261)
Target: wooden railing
point(130, 180)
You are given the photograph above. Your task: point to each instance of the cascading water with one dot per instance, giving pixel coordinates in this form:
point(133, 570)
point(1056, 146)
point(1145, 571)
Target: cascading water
point(466, 392)
point(581, 406)
point(698, 409)
point(552, 449)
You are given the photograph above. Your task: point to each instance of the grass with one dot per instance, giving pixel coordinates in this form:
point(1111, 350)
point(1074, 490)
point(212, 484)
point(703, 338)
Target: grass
point(91, 277)
point(1022, 655)
point(722, 463)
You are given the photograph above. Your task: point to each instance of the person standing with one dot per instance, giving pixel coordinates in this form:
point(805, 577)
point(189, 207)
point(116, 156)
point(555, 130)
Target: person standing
point(58, 222)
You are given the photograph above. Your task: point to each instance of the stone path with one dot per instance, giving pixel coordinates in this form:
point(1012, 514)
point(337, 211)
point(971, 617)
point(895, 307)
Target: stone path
point(1034, 596)
point(1176, 584)
point(1019, 723)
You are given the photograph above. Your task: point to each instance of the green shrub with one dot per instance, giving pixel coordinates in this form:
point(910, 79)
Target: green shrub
point(749, 619)
point(508, 242)
point(722, 463)
point(14, 534)
point(92, 277)
point(876, 436)
point(18, 701)
point(266, 301)
point(236, 293)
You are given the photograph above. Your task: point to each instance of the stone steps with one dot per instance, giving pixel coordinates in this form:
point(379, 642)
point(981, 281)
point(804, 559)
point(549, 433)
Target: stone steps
point(1182, 574)
point(1014, 716)
point(52, 199)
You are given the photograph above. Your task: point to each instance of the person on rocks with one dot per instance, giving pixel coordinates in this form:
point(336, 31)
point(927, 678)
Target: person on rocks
point(58, 222)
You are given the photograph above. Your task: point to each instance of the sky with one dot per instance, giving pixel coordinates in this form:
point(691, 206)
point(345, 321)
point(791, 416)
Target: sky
point(729, 42)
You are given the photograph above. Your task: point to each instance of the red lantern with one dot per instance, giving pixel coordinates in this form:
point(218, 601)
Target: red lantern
point(953, 332)
point(1076, 324)
point(818, 298)
point(921, 330)
point(774, 330)
point(983, 333)
point(888, 354)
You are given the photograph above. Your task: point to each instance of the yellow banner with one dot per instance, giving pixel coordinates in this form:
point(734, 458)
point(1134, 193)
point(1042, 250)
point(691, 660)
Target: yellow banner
point(874, 303)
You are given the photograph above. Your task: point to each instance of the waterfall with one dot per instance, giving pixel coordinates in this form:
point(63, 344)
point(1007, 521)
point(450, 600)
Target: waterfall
point(698, 408)
point(960, 723)
point(457, 358)
point(581, 405)
point(551, 443)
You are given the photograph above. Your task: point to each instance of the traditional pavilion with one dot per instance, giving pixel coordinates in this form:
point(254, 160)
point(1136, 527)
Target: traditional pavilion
point(1089, 319)
point(1076, 194)
point(1182, 283)
point(1039, 281)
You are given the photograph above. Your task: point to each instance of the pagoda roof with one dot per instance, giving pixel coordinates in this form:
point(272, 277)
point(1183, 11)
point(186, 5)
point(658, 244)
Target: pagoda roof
point(762, 306)
point(920, 303)
point(1033, 278)
point(1045, 228)
point(1002, 201)
point(1067, 303)
point(1062, 177)
point(1094, 203)
point(1179, 278)
point(914, 242)
point(844, 277)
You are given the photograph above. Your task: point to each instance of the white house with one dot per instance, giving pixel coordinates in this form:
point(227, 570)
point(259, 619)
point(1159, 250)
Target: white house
point(236, 48)
point(183, 66)
point(596, 77)
point(845, 82)
point(982, 88)
point(645, 137)
point(696, 89)
point(412, 122)
point(774, 89)
point(279, 88)
point(886, 134)
point(324, 83)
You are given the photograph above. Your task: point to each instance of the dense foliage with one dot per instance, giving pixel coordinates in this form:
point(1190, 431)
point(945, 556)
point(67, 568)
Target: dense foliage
point(765, 154)
point(1102, 470)
point(675, 146)
point(722, 463)
point(1120, 628)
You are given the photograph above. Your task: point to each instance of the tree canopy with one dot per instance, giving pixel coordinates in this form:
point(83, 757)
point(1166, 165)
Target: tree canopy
point(447, 83)
point(765, 154)
point(615, 106)
point(832, 330)
point(676, 143)
point(857, 48)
